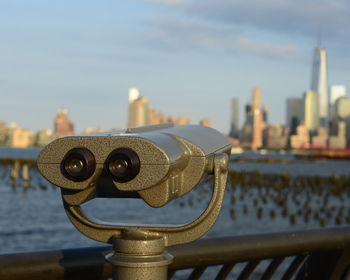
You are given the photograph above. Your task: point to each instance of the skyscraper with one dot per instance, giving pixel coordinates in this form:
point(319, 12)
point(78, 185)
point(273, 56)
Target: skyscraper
point(319, 84)
point(257, 119)
point(133, 94)
point(248, 114)
point(342, 111)
point(342, 108)
point(234, 130)
point(311, 113)
point(135, 107)
point(294, 114)
point(3, 133)
point(336, 92)
point(245, 135)
point(265, 113)
point(63, 126)
point(139, 110)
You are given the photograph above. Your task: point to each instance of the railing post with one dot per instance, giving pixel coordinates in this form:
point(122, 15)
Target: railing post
point(320, 265)
point(139, 258)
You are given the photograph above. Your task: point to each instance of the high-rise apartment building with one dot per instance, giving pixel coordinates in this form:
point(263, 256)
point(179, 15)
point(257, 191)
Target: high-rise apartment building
point(336, 92)
point(319, 84)
point(265, 114)
point(137, 108)
point(133, 94)
point(43, 137)
point(338, 138)
point(301, 140)
point(245, 135)
point(3, 133)
point(342, 108)
point(294, 114)
point(248, 114)
point(18, 137)
point(252, 130)
point(234, 129)
point(141, 112)
point(257, 118)
point(275, 136)
point(311, 113)
point(62, 125)
point(256, 99)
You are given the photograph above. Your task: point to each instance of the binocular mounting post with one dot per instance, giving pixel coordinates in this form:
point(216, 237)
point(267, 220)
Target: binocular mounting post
point(139, 252)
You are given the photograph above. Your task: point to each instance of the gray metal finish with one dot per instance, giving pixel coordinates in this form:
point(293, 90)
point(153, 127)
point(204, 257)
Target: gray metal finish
point(173, 160)
point(169, 162)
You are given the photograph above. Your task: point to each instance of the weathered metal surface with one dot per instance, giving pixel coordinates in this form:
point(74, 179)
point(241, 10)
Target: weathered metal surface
point(172, 235)
point(173, 160)
point(159, 163)
point(139, 257)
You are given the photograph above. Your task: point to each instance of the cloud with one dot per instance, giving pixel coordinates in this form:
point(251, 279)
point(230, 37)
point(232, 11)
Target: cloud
point(182, 34)
point(306, 17)
point(267, 49)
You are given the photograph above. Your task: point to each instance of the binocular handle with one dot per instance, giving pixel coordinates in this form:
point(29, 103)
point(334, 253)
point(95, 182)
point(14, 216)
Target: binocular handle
point(171, 235)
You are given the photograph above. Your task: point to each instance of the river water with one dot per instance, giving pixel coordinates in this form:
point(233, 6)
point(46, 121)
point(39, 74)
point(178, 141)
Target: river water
point(260, 197)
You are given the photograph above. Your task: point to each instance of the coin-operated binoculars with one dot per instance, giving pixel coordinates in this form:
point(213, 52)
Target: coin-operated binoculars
point(156, 163)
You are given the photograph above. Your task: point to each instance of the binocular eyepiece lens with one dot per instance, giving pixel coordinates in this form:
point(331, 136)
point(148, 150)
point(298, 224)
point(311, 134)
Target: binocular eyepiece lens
point(75, 165)
point(123, 165)
point(79, 164)
point(118, 166)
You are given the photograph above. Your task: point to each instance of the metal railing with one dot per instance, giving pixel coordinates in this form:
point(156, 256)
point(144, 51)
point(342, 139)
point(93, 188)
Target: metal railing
point(316, 254)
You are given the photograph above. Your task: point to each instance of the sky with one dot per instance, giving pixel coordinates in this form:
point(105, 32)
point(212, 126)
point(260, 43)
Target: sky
point(188, 57)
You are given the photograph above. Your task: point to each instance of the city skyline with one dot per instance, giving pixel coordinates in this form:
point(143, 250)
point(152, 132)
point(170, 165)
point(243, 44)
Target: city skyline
point(293, 109)
point(303, 129)
point(186, 56)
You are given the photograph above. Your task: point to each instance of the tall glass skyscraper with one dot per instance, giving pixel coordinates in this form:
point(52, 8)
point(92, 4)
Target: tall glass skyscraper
point(234, 131)
point(319, 84)
point(295, 113)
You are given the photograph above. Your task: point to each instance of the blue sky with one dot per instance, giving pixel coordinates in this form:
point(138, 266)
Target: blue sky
point(189, 57)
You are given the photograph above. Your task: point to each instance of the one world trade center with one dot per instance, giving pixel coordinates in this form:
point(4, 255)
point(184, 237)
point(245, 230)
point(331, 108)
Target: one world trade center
point(319, 84)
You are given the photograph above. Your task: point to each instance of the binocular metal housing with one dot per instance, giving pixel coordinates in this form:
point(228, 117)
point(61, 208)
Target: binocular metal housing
point(156, 163)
